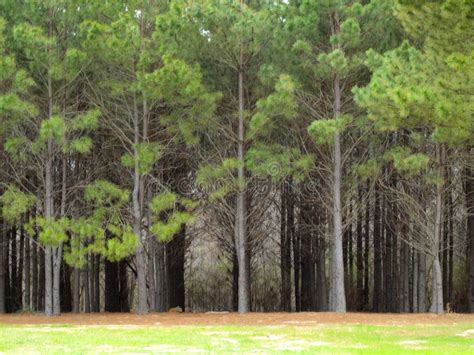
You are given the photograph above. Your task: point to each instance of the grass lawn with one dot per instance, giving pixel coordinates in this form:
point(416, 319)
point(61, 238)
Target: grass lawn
point(350, 338)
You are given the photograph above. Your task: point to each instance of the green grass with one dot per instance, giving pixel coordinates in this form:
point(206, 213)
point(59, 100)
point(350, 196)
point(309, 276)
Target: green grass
point(389, 339)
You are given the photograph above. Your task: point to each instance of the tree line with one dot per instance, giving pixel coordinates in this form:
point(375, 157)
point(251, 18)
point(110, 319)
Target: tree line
point(247, 155)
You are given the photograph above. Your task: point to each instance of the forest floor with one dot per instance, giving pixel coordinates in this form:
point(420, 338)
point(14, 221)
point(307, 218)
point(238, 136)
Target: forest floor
point(230, 332)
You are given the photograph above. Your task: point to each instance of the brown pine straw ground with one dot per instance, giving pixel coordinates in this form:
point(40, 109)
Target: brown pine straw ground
point(301, 319)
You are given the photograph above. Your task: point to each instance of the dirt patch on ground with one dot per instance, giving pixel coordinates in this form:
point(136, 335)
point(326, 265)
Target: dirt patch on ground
point(291, 319)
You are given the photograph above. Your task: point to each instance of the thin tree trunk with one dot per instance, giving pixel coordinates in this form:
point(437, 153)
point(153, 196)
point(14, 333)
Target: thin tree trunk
point(142, 304)
point(366, 253)
point(469, 192)
point(76, 286)
point(42, 280)
point(377, 293)
point(160, 282)
point(2, 268)
point(451, 248)
point(415, 282)
point(49, 199)
point(151, 272)
point(87, 293)
point(337, 298)
point(21, 260)
point(437, 305)
point(285, 253)
point(96, 283)
point(360, 256)
point(7, 270)
point(14, 271)
point(241, 205)
point(27, 261)
point(34, 272)
point(422, 283)
point(307, 259)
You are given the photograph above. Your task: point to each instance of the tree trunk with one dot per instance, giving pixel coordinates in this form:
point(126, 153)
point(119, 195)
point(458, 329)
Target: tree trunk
point(7, 270)
point(451, 248)
point(42, 280)
point(142, 302)
point(76, 287)
point(160, 282)
point(87, 293)
point(377, 293)
point(367, 253)
point(437, 304)
point(21, 260)
point(422, 283)
point(151, 271)
point(2, 268)
point(307, 259)
point(57, 253)
point(241, 207)
point(14, 271)
point(285, 253)
point(297, 264)
point(34, 272)
point(27, 268)
point(469, 191)
point(97, 283)
point(337, 298)
point(360, 255)
point(415, 282)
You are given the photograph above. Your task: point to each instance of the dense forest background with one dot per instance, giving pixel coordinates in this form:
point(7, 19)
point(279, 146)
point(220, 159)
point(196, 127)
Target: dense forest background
point(252, 155)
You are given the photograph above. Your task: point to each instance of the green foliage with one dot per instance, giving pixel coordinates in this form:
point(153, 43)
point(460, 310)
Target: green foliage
point(103, 193)
point(86, 121)
point(275, 111)
point(16, 203)
point(278, 162)
point(323, 131)
point(219, 180)
point(52, 232)
point(407, 162)
point(163, 201)
point(145, 155)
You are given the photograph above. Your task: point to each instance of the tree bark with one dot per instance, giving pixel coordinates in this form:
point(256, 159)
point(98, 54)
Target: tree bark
point(285, 253)
point(96, 283)
point(437, 304)
point(360, 255)
point(27, 269)
point(366, 290)
point(160, 282)
point(2, 269)
point(308, 296)
point(21, 260)
point(469, 192)
point(422, 283)
point(337, 298)
point(415, 282)
point(76, 287)
point(34, 272)
point(87, 293)
point(377, 293)
point(241, 205)
point(14, 271)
